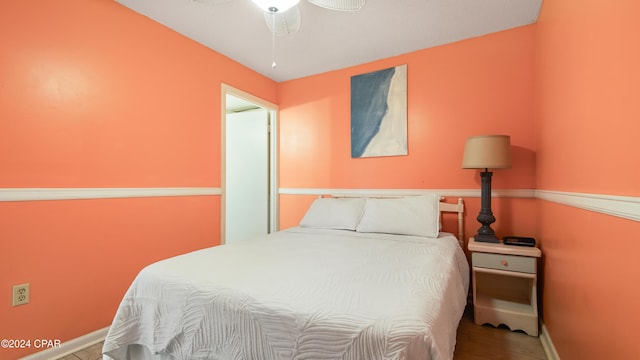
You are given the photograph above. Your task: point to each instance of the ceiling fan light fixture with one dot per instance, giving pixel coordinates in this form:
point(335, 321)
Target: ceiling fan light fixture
point(341, 5)
point(285, 23)
point(275, 6)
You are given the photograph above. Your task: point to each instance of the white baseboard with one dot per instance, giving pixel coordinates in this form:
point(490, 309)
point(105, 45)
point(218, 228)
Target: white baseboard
point(71, 346)
point(547, 344)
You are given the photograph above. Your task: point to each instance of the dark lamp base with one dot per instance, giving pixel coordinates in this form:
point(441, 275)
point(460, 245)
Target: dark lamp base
point(485, 217)
point(489, 238)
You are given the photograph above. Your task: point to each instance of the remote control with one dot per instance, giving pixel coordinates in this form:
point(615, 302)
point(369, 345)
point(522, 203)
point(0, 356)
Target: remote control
point(519, 241)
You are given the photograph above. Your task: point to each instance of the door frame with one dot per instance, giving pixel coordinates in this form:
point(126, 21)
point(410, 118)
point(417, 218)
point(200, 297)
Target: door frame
point(273, 111)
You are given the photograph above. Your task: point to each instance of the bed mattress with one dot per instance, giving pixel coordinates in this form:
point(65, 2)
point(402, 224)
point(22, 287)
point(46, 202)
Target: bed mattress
point(298, 294)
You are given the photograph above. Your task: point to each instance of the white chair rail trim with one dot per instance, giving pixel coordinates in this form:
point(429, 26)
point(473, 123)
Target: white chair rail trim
point(523, 193)
point(626, 207)
point(40, 194)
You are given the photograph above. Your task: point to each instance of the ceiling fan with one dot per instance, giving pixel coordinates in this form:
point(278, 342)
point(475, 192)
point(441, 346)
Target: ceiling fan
point(283, 16)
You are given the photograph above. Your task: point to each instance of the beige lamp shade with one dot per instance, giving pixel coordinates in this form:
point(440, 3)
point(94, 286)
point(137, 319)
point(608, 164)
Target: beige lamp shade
point(487, 152)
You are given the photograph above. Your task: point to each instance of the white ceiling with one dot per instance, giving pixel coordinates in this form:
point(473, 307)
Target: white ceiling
point(330, 40)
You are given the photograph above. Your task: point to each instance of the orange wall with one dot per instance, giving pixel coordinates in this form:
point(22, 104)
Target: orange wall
point(587, 100)
point(587, 86)
point(477, 86)
point(94, 95)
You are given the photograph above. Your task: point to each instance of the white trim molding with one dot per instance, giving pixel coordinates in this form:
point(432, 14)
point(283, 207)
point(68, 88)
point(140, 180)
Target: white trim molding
point(626, 207)
point(547, 344)
point(39, 194)
point(71, 346)
point(522, 193)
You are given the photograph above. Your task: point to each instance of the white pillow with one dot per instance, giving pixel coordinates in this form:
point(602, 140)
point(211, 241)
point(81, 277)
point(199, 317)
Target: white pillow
point(410, 215)
point(334, 213)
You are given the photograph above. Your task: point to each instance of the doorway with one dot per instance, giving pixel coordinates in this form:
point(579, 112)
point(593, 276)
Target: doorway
point(249, 166)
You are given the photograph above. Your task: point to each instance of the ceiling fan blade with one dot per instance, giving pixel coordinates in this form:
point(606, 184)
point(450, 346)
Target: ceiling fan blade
point(283, 23)
point(342, 5)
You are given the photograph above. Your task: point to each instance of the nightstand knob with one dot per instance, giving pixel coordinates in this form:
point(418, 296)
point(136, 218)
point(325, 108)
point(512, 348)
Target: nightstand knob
point(504, 263)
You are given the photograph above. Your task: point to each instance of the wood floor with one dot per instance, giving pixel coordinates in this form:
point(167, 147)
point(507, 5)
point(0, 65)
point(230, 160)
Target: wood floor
point(93, 352)
point(474, 342)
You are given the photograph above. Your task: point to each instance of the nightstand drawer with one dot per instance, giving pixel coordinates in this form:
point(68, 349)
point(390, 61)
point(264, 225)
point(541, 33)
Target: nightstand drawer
point(504, 262)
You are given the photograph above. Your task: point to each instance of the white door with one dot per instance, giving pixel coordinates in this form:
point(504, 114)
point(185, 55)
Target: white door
point(247, 175)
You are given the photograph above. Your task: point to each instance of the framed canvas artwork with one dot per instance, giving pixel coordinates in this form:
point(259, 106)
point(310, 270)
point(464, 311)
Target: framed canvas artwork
point(379, 113)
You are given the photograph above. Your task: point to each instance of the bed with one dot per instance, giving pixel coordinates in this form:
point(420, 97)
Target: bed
point(359, 278)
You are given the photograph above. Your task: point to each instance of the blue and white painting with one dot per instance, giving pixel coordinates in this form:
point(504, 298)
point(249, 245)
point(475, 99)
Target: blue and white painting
point(379, 113)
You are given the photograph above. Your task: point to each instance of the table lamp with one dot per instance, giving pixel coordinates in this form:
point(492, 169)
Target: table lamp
point(486, 152)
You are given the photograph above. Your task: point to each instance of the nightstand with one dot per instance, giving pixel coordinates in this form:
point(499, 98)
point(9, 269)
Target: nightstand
point(504, 285)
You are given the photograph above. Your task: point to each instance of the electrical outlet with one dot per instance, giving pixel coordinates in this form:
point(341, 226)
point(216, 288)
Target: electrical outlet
point(20, 294)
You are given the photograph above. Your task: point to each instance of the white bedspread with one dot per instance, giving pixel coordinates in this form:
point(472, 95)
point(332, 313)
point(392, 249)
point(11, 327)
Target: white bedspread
point(298, 294)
